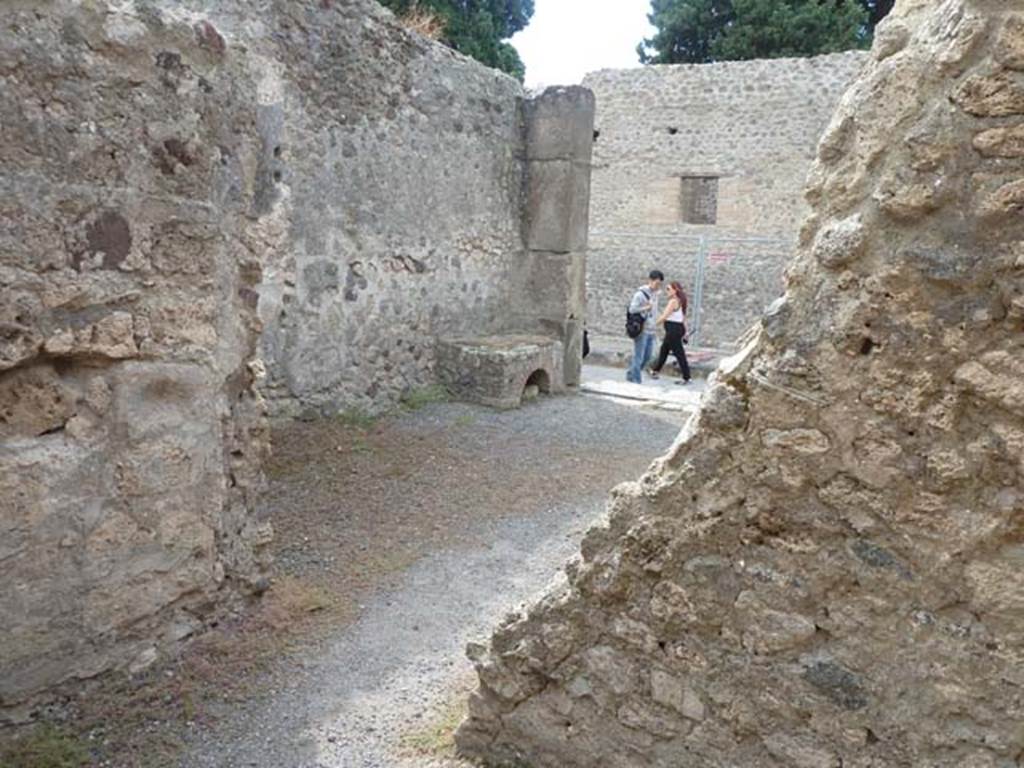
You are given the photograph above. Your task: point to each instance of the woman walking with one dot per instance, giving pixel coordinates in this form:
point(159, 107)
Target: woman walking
point(674, 318)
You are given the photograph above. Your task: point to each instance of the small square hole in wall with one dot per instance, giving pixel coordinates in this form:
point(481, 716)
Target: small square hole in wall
point(698, 199)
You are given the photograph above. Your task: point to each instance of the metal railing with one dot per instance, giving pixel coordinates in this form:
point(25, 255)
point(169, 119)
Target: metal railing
point(734, 278)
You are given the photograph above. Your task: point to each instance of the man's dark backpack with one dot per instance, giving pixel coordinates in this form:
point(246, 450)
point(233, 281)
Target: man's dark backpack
point(635, 321)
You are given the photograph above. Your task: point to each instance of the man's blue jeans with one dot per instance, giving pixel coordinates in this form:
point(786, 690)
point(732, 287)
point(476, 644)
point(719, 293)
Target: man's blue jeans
point(643, 348)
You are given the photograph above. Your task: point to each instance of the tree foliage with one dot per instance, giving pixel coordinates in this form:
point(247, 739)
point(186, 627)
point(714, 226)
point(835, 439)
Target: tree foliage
point(478, 28)
point(698, 31)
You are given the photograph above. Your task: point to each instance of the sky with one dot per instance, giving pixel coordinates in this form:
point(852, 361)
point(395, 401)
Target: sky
point(568, 38)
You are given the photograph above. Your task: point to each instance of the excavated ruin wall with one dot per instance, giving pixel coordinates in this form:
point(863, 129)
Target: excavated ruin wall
point(400, 165)
point(132, 228)
point(826, 568)
point(753, 127)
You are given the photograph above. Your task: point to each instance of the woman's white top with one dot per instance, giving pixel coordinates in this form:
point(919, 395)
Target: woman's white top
point(675, 317)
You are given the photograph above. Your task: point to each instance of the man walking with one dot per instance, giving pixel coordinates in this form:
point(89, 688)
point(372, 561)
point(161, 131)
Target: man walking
point(644, 303)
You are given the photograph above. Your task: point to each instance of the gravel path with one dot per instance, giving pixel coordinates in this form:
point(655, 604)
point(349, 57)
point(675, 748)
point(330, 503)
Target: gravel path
point(501, 501)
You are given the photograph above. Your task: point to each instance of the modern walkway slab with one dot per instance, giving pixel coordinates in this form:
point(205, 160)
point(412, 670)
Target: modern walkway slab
point(664, 392)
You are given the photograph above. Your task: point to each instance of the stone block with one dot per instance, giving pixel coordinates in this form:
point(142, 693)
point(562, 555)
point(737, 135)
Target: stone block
point(1001, 142)
point(34, 401)
point(555, 285)
point(999, 95)
point(572, 364)
point(1010, 48)
point(557, 206)
point(840, 243)
point(560, 124)
point(496, 370)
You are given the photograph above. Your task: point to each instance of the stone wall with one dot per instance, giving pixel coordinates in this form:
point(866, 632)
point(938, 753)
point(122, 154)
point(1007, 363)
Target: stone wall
point(825, 569)
point(130, 245)
point(403, 168)
point(729, 143)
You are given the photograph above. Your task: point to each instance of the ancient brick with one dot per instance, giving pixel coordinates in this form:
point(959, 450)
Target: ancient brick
point(998, 95)
point(34, 401)
point(1010, 45)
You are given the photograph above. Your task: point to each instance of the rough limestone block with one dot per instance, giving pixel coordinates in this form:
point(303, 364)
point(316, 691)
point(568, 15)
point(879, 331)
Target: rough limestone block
point(1010, 48)
point(560, 124)
point(557, 206)
point(555, 285)
point(572, 341)
point(497, 370)
point(34, 401)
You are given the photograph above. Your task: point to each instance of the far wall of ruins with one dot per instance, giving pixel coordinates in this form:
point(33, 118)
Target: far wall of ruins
point(713, 151)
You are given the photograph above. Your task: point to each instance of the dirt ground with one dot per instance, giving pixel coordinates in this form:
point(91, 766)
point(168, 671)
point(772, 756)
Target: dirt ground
point(396, 542)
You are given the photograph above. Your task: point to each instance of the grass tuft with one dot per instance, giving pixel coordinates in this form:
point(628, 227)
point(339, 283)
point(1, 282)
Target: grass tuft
point(45, 746)
point(358, 418)
point(415, 399)
point(423, 22)
point(437, 738)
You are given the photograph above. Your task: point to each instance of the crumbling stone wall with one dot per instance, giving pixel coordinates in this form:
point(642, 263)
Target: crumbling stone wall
point(825, 569)
point(130, 242)
point(752, 126)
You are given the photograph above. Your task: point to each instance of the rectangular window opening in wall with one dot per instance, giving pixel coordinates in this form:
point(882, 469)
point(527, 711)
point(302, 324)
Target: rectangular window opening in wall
point(699, 199)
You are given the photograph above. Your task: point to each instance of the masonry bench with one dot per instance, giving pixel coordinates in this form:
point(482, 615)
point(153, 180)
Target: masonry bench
point(499, 370)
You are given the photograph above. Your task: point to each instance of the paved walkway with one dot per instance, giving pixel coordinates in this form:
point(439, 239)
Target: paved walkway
point(664, 392)
point(616, 351)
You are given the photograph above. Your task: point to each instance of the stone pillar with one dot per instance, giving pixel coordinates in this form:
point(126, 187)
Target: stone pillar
point(559, 139)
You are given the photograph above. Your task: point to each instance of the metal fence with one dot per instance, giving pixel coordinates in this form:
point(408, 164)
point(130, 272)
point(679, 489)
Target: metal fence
point(732, 279)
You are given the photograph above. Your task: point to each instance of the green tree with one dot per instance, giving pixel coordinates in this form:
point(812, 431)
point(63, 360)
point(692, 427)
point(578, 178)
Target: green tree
point(478, 28)
point(686, 30)
point(768, 29)
point(697, 31)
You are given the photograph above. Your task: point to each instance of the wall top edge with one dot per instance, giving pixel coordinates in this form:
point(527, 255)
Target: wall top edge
point(661, 70)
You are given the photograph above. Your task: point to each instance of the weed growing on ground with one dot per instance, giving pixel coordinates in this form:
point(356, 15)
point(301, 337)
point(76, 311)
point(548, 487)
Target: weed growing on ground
point(465, 420)
point(137, 721)
point(415, 399)
point(45, 746)
point(423, 21)
point(437, 738)
point(358, 418)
